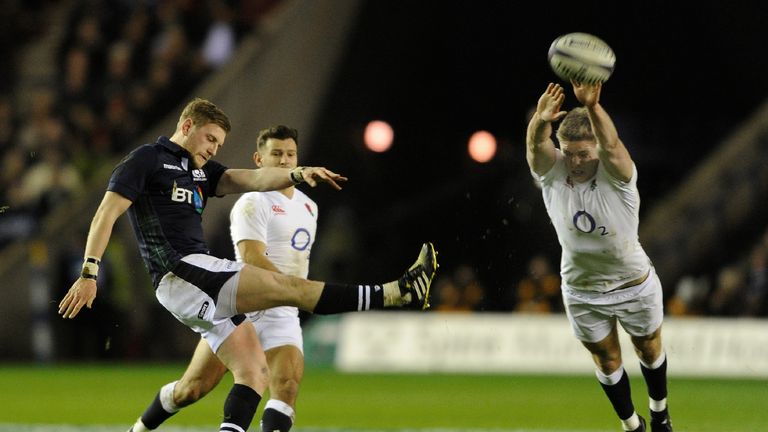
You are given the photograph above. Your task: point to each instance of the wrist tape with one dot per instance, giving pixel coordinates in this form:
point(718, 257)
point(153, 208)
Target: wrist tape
point(297, 175)
point(90, 268)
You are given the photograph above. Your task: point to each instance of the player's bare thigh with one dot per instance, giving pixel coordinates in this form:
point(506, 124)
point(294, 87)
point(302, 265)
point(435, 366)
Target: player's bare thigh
point(260, 289)
point(648, 348)
point(607, 352)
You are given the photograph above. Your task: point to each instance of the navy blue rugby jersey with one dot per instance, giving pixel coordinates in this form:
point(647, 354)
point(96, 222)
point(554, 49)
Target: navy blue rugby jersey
point(168, 198)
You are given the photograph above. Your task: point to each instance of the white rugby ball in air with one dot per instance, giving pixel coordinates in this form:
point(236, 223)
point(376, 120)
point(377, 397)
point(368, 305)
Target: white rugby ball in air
point(581, 57)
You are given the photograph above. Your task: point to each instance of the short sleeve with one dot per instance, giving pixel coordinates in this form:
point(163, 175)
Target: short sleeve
point(550, 176)
point(249, 218)
point(129, 178)
point(616, 183)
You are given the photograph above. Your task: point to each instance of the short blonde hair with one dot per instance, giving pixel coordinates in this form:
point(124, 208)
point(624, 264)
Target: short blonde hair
point(576, 126)
point(203, 112)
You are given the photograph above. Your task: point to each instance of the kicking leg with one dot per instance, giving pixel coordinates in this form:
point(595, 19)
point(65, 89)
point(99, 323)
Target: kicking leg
point(260, 289)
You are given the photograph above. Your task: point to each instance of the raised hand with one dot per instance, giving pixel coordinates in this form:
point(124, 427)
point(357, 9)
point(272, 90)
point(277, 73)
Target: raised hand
point(550, 102)
point(587, 94)
point(314, 175)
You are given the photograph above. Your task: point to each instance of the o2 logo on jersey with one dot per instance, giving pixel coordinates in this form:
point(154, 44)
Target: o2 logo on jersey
point(585, 223)
point(193, 197)
point(301, 239)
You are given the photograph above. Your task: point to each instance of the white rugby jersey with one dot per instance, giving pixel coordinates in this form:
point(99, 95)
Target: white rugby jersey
point(597, 227)
point(286, 225)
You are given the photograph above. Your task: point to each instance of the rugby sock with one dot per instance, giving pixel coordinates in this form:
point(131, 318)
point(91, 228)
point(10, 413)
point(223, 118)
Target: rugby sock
point(160, 410)
point(239, 408)
point(655, 375)
point(616, 387)
point(338, 298)
point(277, 417)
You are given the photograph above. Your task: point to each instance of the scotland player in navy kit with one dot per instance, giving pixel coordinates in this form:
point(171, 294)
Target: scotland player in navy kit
point(589, 186)
point(165, 186)
point(272, 230)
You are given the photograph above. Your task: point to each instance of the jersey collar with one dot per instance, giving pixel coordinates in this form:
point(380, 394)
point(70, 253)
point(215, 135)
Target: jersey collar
point(172, 147)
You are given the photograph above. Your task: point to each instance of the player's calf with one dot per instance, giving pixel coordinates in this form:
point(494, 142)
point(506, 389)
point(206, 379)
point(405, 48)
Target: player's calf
point(655, 375)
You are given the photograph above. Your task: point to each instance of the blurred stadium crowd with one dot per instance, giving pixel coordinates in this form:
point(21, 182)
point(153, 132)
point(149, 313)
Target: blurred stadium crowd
point(79, 82)
point(118, 67)
point(122, 65)
point(738, 289)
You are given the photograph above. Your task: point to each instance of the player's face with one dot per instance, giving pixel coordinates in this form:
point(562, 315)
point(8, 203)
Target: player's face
point(203, 142)
point(281, 153)
point(580, 159)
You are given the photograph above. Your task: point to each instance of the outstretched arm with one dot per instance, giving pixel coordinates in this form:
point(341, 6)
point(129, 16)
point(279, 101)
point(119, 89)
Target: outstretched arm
point(83, 291)
point(539, 148)
point(610, 148)
point(273, 178)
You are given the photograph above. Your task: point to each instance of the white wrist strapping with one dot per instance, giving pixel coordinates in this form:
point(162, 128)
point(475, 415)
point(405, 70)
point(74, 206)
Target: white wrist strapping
point(297, 175)
point(90, 268)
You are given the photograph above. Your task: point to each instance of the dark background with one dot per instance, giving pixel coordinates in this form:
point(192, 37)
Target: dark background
point(686, 75)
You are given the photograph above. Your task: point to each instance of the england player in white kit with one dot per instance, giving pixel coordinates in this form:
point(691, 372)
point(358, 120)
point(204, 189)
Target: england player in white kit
point(589, 187)
point(282, 230)
point(277, 229)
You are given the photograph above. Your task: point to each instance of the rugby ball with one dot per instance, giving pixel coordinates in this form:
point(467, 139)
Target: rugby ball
point(581, 57)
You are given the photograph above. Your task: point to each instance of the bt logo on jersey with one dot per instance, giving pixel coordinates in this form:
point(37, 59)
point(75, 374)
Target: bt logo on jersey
point(193, 197)
point(181, 195)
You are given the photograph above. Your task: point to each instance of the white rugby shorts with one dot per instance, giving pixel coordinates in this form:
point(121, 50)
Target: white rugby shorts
point(639, 309)
point(278, 327)
point(201, 292)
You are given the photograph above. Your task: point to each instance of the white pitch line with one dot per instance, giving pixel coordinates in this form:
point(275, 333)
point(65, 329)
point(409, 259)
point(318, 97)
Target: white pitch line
point(11, 427)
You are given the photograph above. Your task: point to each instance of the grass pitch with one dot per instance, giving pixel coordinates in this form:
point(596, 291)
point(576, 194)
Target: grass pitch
point(77, 398)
